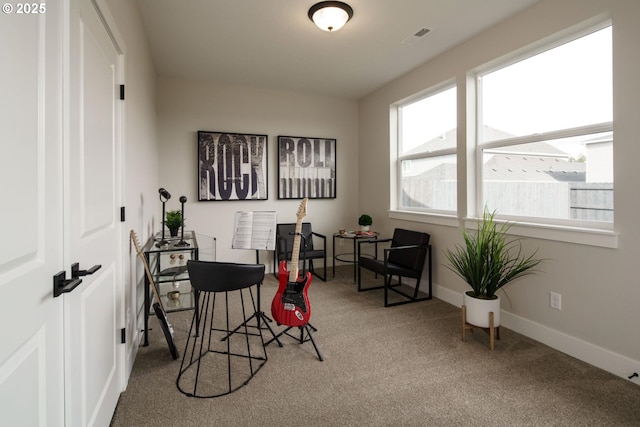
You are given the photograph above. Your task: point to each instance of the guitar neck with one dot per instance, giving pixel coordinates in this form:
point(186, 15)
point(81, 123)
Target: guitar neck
point(295, 254)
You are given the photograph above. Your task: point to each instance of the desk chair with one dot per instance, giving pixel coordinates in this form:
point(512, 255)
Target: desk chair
point(285, 234)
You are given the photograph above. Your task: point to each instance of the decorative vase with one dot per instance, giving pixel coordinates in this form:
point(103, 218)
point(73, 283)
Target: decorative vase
point(478, 310)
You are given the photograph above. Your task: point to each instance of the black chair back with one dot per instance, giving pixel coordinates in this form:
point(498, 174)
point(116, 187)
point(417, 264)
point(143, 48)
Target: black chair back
point(412, 259)
point(286, 236)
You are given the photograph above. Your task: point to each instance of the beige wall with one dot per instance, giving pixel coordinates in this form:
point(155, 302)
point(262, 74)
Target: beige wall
point(184, 108)
point(599, 286)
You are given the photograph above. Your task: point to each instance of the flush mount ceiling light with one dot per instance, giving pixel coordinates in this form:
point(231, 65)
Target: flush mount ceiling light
point(330, 15)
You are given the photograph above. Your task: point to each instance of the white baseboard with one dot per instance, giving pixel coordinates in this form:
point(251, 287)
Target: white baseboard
point(600, 357)
point(447, 295)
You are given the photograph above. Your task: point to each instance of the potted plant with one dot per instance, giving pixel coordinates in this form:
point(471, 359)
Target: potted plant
point(487, 261)
point(365, 222)
point(173, 221)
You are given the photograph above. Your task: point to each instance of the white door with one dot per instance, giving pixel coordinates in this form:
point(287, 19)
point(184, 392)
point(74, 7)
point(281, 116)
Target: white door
point(31, 319)
point(93, 312)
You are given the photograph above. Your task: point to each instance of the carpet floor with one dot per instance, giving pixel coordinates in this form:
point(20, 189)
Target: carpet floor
point(396, 366)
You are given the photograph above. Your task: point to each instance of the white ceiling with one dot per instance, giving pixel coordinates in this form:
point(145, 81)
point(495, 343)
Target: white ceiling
point(273, 44)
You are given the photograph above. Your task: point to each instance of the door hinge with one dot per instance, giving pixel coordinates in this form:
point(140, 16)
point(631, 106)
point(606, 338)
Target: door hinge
point(122, 214)
point(122, 92)
point(123, 335)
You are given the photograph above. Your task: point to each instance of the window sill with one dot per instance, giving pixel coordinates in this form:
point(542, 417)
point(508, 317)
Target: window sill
point(561, 233)
point(425, 217)
point(582, 236)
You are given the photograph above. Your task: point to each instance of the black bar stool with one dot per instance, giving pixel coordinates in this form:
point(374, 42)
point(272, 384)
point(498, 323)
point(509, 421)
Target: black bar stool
point(225, 347)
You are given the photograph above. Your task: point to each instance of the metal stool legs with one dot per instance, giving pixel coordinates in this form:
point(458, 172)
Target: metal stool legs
point(219, 357)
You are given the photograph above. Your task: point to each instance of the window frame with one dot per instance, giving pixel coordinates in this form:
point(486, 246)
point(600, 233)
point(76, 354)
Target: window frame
point(469, 156)
point(400, 158)
point(520, 55)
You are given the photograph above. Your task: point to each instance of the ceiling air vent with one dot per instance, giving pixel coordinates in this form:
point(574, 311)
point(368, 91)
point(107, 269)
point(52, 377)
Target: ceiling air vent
point(416, 36)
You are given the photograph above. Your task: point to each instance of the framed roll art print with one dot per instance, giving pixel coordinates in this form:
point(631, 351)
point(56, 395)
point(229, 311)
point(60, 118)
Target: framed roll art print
point(306, 167)
point(232, 166)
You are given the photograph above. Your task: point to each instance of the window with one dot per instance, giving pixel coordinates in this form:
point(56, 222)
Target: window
point(546, 136)
point(427, 153)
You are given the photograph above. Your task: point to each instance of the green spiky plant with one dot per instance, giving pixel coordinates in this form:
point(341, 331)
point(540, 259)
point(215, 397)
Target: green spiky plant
point(488, 259)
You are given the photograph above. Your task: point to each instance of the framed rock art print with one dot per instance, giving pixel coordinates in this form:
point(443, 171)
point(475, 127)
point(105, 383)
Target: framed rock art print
point(306, 168)
point(232, 166)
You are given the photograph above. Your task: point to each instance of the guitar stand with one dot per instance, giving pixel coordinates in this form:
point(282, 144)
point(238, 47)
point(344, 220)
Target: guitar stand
point(260, 316)
point(301, 339)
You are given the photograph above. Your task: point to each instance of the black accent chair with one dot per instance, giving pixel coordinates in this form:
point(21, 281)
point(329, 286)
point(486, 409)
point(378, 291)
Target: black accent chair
point(285, 234)
point(225, 347)
point(404, 257)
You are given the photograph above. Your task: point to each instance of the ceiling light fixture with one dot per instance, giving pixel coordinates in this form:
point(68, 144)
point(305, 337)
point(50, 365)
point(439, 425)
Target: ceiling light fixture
point(330, 15)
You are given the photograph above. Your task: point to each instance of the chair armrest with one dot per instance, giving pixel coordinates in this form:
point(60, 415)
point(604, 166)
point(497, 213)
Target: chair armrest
point(387, 251)
point(321, 236)
point(399, 248)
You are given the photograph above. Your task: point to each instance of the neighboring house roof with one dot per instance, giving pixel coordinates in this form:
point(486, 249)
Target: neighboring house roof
point(537, 161)
point(448, 140)
point(512, 167)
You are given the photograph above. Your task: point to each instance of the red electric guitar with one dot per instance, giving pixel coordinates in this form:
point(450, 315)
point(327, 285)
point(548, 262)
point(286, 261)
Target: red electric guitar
point(290, 306)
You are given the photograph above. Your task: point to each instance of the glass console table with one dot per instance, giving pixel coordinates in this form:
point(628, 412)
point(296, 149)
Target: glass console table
point(168, 265)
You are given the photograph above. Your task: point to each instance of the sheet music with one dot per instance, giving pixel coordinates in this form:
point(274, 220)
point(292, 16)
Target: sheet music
point(255, 230)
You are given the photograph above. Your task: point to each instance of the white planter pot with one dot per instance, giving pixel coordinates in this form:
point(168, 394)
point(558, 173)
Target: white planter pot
point(364, 228)
point(478, 311)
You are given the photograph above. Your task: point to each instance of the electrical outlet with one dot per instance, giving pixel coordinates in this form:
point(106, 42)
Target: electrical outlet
point(555, 300)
